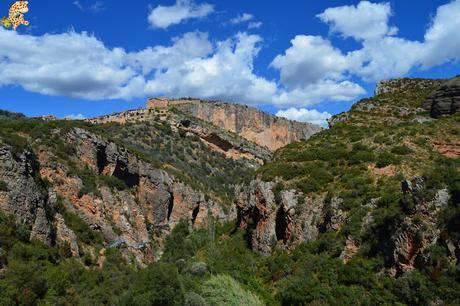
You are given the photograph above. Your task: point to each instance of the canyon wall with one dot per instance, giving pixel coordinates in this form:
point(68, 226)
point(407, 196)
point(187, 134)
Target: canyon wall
point(262, 128)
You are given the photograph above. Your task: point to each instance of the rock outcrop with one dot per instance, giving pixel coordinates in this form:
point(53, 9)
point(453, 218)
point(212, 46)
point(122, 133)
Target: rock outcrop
point(219, 140)
point(419, 229)
point(444, 101)
point(405, 84)
point(135, 219)
point(24, 196)
point(284, 219)
point(288, 218)
point(262, 128)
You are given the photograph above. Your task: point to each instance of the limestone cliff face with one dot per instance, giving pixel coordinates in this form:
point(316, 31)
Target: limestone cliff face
point(23, 196)
point(444, 101)
point(285, 219)
point(288, 218)
point(219, 140)
point(262, 128)
point(135, 219)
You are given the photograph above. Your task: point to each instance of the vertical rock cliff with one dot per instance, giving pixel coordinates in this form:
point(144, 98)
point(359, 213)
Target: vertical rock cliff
point(262, 128)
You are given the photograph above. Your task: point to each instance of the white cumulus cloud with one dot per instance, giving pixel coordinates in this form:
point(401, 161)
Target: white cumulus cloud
point(165, 16)
point(381, 53)
point(308, 60)
point(364, 21)
point(305, 115)
point(311, 71)
point(70, 64)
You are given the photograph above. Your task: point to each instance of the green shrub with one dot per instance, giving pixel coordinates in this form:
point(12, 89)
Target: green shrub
point(420, 141)
point(224, 290)
point(401, 150)
point(3, 186)
point(277, 189)
point(159, 284)
point(194, 299)
point(112, 182)
point(384, 159)
point(199, 268)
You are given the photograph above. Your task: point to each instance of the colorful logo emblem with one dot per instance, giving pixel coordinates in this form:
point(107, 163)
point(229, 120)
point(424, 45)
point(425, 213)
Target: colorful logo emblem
point(16, 15)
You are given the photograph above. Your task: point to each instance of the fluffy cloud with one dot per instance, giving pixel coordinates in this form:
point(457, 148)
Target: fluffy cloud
point(365, 21)
point(305, 115)
point(190, 46)
point(312, 70)
point(80, 66)
point(309, 60)
point(382, 55)
point(226, 73)
point(165, 16)
point(68, 64)
point(241, 18)
point(442, 42)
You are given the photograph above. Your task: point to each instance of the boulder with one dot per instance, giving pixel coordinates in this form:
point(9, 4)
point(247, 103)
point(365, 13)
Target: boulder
point(444, 101)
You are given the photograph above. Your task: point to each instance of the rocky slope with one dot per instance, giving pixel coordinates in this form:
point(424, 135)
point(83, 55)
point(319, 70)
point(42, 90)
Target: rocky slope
point(262, 128)
point(76, 178)
point(379, 181)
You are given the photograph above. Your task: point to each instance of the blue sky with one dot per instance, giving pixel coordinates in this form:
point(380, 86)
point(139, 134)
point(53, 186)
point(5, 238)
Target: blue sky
point(304, 60)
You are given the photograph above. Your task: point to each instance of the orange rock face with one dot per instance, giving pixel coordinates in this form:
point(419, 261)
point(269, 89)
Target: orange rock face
point(262, 128)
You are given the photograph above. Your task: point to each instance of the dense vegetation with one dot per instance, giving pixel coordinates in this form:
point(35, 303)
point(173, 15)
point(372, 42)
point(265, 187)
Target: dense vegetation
point(209, 267)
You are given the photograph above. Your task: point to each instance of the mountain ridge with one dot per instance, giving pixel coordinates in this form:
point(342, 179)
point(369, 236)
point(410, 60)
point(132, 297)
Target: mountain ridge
point(264, 129)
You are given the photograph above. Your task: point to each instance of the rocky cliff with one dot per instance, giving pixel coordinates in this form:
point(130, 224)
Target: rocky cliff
point(133, 207)
point(445, 101)
point(380, 181)
point(283, 219)
point(262, 128)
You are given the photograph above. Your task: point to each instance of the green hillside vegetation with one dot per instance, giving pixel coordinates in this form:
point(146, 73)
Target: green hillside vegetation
point(183, 155)
point(200, 270)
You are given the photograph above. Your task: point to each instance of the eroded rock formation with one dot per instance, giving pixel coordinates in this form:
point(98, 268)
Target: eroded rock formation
point(24, 197)
point(262, 128)
point(135, 219)
point(286, 222)
point(444, 101)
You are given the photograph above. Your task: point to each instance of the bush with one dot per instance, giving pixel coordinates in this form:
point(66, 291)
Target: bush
point(401, 150)
point(384, 159)
point(159, 284)
point(224, 290)
point(112, 182)
point(198, 268)
point(3, 186)
point(194, 299)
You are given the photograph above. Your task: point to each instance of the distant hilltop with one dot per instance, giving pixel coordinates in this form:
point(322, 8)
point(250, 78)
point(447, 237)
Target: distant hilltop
point(262, 128)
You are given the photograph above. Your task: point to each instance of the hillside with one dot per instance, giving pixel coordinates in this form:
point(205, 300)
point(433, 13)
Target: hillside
point(137, 208)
